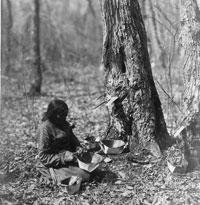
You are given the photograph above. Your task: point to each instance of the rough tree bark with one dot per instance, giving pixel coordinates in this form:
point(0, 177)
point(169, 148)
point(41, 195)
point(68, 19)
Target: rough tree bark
point(190, 40)
point(36, 81)
point(133, 101)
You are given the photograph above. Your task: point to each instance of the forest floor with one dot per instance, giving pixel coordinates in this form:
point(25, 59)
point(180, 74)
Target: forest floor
point(119, 182)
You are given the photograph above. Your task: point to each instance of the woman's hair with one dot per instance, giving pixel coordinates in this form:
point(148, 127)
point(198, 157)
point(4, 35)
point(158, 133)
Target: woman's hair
point(55, 107)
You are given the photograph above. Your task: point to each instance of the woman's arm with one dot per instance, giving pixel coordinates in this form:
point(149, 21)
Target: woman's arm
point(45, 153)
point(74, 142)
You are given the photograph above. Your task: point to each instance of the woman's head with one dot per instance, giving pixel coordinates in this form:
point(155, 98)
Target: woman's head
point(57, 110)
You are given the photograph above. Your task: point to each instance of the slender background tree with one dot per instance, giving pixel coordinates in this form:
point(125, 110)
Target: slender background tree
point(36, 81)
point(9, 33)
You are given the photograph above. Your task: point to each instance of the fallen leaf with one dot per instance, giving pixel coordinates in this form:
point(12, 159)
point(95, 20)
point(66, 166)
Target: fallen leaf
point(107, 160)
point(129, 187)
point(17, 158)
point(60, 200)
point(32, 144)
point(126, 193)
point(122, 174)
point(171, 167)
point(118, 182)
point(148, 166)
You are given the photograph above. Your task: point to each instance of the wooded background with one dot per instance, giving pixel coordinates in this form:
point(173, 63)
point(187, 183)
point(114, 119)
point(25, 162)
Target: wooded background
point(71, 35)
point(71, 45)
point(71, 38)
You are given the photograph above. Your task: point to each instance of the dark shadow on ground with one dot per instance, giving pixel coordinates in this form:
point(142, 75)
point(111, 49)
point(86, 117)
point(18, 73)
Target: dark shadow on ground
point(9, 177)
point(102, 176)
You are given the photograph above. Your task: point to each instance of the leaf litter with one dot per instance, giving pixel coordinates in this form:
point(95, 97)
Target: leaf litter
point(133, 184)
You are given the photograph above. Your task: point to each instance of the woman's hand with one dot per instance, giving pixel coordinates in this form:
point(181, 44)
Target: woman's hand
point(79, 150)
point(69, 156)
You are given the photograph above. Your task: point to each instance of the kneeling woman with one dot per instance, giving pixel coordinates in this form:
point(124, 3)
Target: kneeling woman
point(57, 146)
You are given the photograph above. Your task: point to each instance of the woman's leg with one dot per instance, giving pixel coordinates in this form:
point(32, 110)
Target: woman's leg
point(64, 173)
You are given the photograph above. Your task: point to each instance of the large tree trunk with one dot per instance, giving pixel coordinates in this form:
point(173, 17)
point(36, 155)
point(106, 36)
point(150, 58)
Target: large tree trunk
point(133, 101)
point(190, 39)
point(36, 81)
